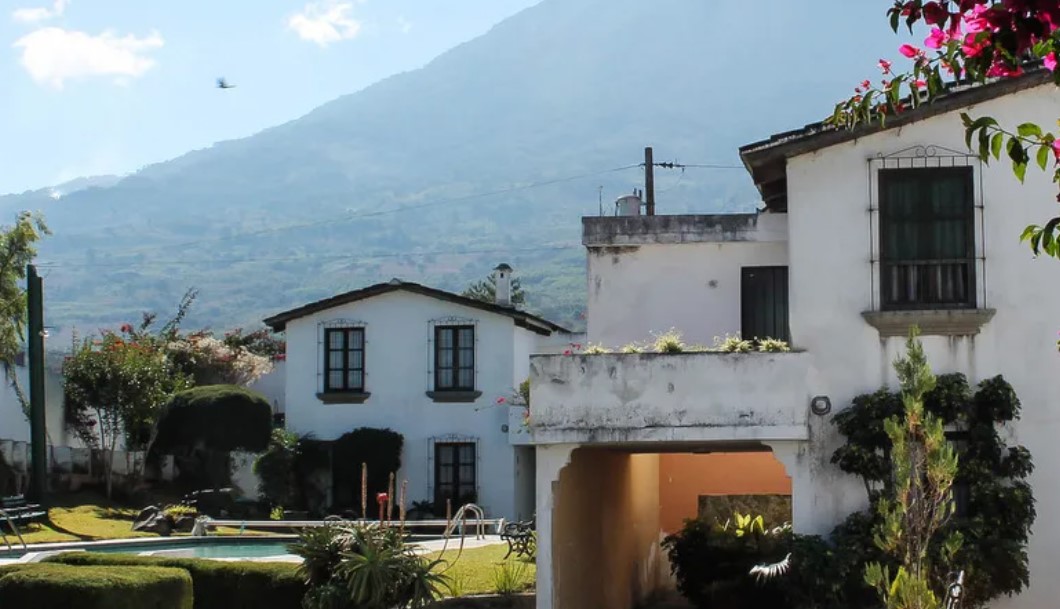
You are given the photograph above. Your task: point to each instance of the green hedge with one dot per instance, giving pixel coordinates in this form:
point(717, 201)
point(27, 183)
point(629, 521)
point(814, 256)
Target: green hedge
point(56, 586)
point(215, 417)
point(217, 584)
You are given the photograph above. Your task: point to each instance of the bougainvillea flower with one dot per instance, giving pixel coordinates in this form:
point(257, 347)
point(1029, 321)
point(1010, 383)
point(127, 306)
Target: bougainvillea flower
point(885, 66)
point(909, 50)
point(936, 39)
point(1050, 62)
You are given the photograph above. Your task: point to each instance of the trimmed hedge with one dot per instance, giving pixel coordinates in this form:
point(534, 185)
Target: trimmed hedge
point(215, 417)
point(217, 584)
point(56, 586)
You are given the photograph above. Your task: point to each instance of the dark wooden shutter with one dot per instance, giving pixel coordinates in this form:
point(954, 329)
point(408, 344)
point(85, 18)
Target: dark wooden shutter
point(764, 303)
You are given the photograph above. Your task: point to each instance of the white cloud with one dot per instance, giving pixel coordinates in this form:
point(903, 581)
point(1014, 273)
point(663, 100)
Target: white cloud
point(53, 55)
point(36, 15)
point(325, 22)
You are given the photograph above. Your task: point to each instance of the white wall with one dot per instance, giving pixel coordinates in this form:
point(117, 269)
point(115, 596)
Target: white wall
point(272, 386)
point(398, 364)
point(828, 202)
point(636, 291)
point(13, 423)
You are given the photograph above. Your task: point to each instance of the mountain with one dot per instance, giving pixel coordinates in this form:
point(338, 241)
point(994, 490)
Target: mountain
point(436, 175)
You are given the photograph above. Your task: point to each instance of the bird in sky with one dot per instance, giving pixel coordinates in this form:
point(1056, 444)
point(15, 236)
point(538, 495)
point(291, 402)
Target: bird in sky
point(223, 84)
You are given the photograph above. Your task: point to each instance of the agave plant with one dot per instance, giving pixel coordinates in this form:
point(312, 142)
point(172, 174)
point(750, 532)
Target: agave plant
point(365, 567)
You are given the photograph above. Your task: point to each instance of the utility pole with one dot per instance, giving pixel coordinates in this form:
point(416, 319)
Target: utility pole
point(649, 180)
point(37, 421)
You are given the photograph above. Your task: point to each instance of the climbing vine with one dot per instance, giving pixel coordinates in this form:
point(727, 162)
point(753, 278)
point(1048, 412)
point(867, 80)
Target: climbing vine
point(994, 501)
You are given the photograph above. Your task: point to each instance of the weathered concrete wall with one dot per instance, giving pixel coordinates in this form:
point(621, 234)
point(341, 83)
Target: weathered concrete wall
point(638, 288)
point(606, 531)
point(683, 478)
point(670, 397)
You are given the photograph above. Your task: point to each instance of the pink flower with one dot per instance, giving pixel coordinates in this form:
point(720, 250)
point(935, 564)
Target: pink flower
point(566, 352)
point(126, 328)
point(909, 50)
point(865, 84)
point(501, 400)
point(1056, 149)
point(919, 84)
point(934, 13)
point(885, 66)
point(936, 39)
point(1050, 61)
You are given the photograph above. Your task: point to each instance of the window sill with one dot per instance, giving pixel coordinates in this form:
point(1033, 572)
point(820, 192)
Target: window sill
point(454, 397)
point(343, 397)
point(936, 322)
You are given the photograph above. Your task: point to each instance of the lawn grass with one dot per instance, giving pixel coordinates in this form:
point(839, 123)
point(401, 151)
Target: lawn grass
point(476, 571)
point(91, 517)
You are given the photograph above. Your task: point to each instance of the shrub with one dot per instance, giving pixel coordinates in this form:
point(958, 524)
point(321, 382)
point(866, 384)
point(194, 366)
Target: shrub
point(509, 577)
point(380, 449)
point(362, 567)
point(276, 468)
point(215, 417)
point(712, 564)
point(595, 349)
point(632, 348)
point(773, 345)
point(216, 584)
point(668, 342)
point(56, 586)
point(732, 344)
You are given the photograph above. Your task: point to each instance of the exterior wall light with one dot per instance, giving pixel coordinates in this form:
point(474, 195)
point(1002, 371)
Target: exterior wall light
point(820, 405)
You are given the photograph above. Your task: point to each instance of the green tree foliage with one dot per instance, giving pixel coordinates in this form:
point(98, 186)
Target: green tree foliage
point(486, 291)
point(17, 249)
point(122, 385)
point(202, 425)
point(215, 417)
point(981, 40)
point(275, 469)
point(923, 468)
point(991, 480)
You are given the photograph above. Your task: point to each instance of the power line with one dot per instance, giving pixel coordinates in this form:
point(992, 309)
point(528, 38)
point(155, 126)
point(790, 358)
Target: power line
point(675, 165)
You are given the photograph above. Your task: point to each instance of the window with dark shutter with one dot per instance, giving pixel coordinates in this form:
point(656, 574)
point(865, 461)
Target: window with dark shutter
point(927, 238)
point(764, 303)
point(454, 473)
point(344, 360)
point(454, 358)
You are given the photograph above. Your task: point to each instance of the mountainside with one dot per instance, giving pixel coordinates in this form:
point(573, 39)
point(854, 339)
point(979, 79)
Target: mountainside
point(384, 182)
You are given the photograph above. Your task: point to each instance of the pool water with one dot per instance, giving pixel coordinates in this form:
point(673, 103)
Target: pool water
point(227, 549)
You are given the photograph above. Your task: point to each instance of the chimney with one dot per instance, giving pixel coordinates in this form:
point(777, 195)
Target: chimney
point(502, 282)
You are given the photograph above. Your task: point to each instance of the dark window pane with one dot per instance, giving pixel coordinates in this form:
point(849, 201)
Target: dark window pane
point(356, 339)
point(355, 380)
point(357, 360)
point(335, 360)
point(466, 378)
point(467, 337)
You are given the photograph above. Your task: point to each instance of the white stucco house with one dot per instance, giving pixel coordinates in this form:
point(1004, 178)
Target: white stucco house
point(437, 367)
point(862, 234)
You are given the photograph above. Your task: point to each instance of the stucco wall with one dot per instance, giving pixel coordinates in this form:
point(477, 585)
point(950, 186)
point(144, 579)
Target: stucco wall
point(399, 361)
point(639, 290)
point(13, 422)
point(273, 386)
point(829, 201)
point(606, 531)
point(684, 477)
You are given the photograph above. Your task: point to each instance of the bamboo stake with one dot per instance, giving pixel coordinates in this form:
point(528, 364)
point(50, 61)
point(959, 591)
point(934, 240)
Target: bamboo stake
point(401, 504)
point(364, 491)
point(390, 499)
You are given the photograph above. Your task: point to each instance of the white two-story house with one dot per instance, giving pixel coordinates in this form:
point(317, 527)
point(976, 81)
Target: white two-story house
point(862, 234)
point(438, 368)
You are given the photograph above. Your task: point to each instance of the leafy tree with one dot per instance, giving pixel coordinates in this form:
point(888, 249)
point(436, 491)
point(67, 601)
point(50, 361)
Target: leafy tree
point(275, 469)
point(923, 468)
point(975, 40)
point(124, 385)
point(17, 249)
point(486, 291)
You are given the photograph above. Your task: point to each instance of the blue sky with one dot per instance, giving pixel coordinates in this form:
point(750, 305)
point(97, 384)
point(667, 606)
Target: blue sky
point(89, 87)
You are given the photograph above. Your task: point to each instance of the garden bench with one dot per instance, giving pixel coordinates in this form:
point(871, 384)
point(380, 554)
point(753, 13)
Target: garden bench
point(521, 539)
point(18, 511)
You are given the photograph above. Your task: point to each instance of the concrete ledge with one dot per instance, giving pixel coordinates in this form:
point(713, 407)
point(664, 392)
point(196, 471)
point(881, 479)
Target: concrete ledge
point(946, 322)
point(618, 231)
point(343, 397)
point(454, 397)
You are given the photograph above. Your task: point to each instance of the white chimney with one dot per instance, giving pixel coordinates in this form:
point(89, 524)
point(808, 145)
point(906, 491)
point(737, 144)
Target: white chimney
point(502, 283)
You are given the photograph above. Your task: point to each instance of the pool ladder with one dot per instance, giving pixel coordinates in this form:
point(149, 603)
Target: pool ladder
point(14, 528)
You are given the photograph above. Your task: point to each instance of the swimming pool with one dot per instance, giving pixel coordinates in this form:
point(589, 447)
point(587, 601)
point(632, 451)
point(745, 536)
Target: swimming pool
point(232, 548)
